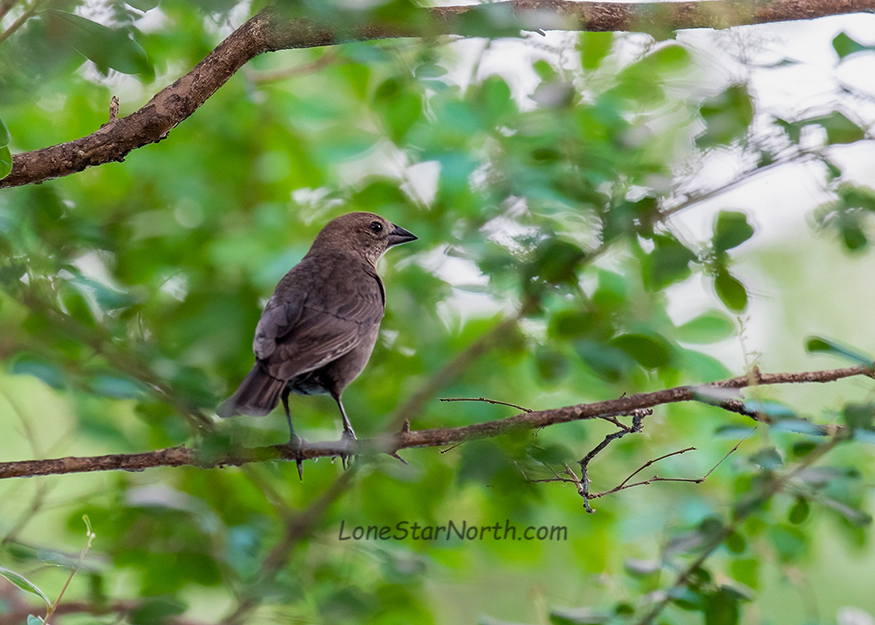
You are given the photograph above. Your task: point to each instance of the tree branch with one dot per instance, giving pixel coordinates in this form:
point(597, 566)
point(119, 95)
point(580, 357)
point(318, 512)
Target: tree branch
point(181, 456)
point(271, 30)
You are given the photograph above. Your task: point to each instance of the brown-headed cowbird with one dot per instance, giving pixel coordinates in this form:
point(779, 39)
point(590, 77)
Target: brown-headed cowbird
point(319, 328)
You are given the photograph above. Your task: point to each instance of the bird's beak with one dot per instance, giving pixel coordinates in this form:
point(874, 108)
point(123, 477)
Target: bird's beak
point(400, 235)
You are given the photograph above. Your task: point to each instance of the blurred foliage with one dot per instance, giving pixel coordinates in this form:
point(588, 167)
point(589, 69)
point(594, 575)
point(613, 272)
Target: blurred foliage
point(129, 294)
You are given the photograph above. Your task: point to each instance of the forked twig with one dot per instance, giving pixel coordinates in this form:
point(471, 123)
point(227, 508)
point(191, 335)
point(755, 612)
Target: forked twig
point(637, 425)
point(568, 474)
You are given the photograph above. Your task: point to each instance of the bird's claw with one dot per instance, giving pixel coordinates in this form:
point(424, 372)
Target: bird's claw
point(297, 444)
point(395, 455)
point(348, 439)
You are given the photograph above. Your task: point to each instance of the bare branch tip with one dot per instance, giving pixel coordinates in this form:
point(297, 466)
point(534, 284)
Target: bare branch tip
point(113, 108)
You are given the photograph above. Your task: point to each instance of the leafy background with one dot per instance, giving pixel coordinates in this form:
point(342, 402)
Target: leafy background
point(656, 209)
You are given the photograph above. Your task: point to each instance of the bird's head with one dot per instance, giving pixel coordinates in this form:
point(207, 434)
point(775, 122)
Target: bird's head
point(363, 233)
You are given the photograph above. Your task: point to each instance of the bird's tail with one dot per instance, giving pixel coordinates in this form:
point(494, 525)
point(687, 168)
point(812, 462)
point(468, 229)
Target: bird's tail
point(258, 394)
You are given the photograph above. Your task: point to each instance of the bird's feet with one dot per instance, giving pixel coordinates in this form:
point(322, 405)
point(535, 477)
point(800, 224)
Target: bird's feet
point(348, 439)
point(297, 444)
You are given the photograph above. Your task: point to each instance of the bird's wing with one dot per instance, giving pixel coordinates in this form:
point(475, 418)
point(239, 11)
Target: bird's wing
point(319, 312)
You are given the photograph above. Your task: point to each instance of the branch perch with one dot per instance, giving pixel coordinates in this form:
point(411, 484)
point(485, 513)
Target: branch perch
point(406, 438)
point(270, 30)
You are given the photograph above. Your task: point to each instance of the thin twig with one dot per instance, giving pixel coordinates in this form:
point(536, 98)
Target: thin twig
point(622, 484)
point(728, 453)
point(75, 569)
point(736, 182)
point(20, 21)
point(656, 478)
point(488, 401)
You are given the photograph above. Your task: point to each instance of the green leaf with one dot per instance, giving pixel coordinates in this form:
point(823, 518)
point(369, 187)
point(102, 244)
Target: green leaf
point(551, 364)
point(608, 362)
point(801, 449)
point(771, 408)
point(730, 291)
point(32, 619)
point(427, 71)
point(572, 323)
point(820, 344)
point(799, 426)
point(650, 351)
point(594, 47)
point(153, 610)
point(793, 129)
point(572, 616)
point(670, 261)
point(735, 542)
point(856, 196)
point(708, 327)
point(27, 364)
point(727, 117)
point(852, 234)
point(544, 70)
point(494, 99)
point(611, 293)
point(556, 262)
point(400, 107)
point(721, 608)
point(120, 388)
point(731, 230)
point(703, 367)
point(687, 599)
point(5, 162)
point(767, 458)
point(839, 129)
point(733, 431)
point(800, 511)
point(106, 47)
point(858, 416)
point(105, 296)
point(846, 46)
point(5, 137)
point(24, 584)
point(788, 541)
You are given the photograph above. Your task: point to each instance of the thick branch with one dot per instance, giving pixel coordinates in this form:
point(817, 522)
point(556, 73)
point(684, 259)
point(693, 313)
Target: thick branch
point(180, 456)
point(270, 30)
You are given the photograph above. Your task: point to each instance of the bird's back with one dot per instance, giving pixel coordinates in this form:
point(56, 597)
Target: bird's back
point(322, 309)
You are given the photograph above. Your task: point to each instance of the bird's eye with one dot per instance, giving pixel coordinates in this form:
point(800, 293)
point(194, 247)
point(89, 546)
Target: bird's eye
point(376, 226)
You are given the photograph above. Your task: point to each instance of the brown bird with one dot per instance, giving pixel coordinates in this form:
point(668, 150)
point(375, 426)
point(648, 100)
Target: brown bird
point(320, 326)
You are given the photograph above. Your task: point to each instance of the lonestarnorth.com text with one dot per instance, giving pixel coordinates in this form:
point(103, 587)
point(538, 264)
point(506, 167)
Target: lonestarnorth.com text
point(405, 530)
